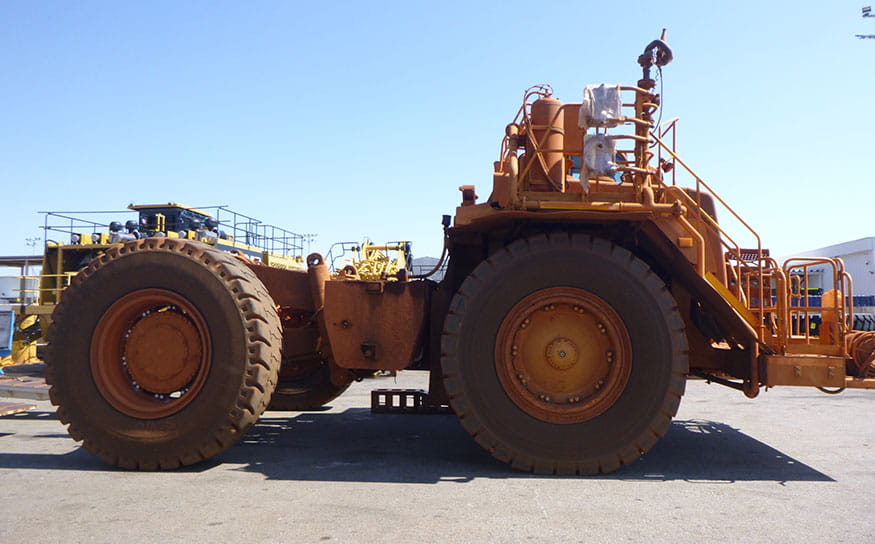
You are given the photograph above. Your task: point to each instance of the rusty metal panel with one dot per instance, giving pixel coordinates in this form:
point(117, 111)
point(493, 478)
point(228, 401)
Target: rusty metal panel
point(573, 140)
point(290, 288)
point(300, 342)
point(375, 325)
point(818, 371)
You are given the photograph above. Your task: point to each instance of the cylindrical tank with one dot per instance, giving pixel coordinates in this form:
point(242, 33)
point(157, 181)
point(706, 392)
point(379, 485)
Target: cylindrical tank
point(547, 129)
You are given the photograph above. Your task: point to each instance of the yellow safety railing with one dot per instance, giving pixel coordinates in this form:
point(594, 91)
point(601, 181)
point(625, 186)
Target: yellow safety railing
point(58, 282)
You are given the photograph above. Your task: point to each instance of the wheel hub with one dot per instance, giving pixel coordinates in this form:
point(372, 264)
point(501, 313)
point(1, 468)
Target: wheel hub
point(163, 352)
point(563, 355)
point(150, 353)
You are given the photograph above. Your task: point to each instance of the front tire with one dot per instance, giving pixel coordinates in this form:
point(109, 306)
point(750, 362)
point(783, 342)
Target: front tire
point(162, 353)
point(564, 354)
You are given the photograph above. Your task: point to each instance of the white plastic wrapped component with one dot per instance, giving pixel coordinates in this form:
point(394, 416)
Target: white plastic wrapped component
point(601, 106)
point(599, 155)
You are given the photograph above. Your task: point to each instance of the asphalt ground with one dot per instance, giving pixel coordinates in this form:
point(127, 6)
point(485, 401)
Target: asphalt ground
point(793, 465)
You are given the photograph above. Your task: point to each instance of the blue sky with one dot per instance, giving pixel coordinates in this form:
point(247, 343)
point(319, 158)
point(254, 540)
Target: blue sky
point(355, 119)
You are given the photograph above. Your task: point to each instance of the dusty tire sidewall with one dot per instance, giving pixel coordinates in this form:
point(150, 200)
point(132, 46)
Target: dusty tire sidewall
point(600, 273)
point(207, 414)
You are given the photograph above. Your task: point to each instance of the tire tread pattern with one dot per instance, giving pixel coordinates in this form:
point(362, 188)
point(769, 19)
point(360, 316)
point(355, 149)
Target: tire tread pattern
point(263, 338)
point(450, 361)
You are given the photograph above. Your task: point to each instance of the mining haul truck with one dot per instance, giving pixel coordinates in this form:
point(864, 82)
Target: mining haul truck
point(578, 298)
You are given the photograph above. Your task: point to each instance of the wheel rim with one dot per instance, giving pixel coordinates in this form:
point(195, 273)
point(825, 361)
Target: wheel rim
point(150, 353)
point(563, 355)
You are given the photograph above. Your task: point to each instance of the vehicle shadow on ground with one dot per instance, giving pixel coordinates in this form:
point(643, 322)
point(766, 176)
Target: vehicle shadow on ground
point(359, 446)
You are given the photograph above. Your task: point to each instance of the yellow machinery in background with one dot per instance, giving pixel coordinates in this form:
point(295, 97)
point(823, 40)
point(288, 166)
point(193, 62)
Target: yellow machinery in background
point(22, 342)
point(391, 261)
point(74, 239)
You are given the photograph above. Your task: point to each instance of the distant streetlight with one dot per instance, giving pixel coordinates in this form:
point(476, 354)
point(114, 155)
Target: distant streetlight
point(310, 237)
point(32, 242)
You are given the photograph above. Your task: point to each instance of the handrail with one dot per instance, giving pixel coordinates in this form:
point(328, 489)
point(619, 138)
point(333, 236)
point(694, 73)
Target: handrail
point(701, 183)
point(742, 270)
point(670, 125)
point(842, 286)
point(245, 229)
point(40, 292)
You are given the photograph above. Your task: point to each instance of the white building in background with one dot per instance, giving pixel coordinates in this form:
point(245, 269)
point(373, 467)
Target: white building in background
point(859, 259)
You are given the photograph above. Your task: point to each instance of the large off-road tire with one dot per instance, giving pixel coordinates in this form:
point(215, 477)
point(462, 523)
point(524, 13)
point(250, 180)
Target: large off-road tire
point(162, 353)
point(564, 354)
point(308, 392)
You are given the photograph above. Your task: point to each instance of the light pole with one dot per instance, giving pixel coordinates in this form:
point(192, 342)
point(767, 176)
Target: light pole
point(310, 237)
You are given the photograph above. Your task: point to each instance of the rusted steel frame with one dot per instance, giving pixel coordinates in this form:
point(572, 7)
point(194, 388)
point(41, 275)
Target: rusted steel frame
point(538, 153)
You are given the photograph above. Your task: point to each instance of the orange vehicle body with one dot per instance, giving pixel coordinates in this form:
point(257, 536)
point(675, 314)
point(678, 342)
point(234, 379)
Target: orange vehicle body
point(577, 299)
